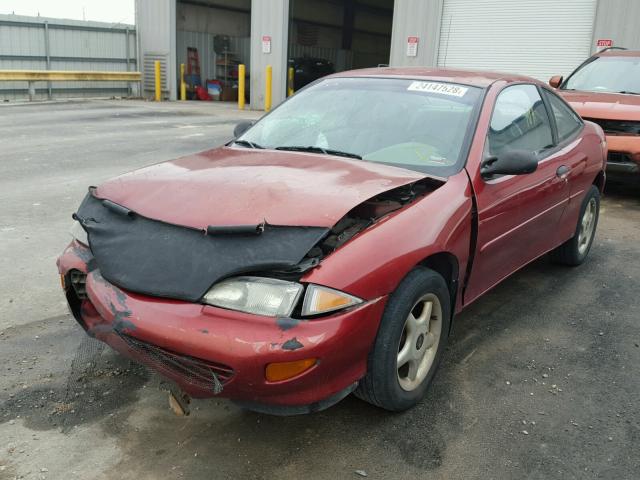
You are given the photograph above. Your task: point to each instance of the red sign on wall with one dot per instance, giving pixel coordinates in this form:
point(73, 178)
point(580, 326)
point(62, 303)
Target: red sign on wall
point(604, 43)
point(412, 46)
point(266, 44)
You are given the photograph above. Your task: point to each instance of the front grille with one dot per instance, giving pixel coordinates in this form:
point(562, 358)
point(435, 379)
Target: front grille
point(617, 127)
point(620, 158)
point(199, 373)
point(78, 281)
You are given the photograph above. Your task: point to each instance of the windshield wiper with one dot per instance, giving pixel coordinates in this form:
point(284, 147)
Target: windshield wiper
point(326, 151)
point(629, 93)
point(247, 143)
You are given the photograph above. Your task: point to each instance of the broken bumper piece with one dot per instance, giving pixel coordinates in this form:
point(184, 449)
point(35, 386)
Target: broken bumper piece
point(624, 154)
point(210, 351)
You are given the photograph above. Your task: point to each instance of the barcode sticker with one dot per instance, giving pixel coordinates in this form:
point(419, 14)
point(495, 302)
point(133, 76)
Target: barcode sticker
point(443, 88)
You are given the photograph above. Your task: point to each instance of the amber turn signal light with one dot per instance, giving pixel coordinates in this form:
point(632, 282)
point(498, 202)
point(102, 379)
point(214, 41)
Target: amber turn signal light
point(319, 299)
point(276, 372)
point(62, 283)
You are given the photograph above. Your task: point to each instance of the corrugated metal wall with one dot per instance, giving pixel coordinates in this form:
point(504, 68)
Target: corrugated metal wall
point(523, 37)
point(614, 19)
point(37, 43)
point(617, 20)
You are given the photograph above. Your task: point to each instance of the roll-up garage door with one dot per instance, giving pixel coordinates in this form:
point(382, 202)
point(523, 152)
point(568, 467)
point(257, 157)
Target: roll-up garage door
point(539, 38)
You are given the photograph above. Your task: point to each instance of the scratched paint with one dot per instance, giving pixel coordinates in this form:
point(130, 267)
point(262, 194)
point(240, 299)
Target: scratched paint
point(286, 323)
point(292, 344)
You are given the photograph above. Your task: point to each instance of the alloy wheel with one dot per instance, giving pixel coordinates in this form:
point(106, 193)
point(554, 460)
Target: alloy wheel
point(419, 342)
point(587, 225)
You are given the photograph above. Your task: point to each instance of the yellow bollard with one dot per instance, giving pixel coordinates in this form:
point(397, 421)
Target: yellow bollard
point(183, 85)
point(267, 93)
point(241, 75)
point(158, 82)
point(290, 76)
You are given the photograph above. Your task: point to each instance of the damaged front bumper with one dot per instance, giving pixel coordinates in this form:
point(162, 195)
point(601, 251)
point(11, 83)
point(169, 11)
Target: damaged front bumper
point(624, 154)
point(210, 351)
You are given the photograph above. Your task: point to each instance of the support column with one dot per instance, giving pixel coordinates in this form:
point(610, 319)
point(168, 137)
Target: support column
point(415, 18)
point(47, 52)
point(349, 15)
point(128, 54)
point(156, 36)
point(32, 91)
point(269, 22)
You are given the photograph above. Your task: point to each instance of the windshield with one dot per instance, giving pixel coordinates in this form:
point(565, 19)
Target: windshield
point(420, 125)
point(607, 74)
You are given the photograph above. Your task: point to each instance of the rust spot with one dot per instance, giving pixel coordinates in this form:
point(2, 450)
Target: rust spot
point(292, 344)
point(121, 312)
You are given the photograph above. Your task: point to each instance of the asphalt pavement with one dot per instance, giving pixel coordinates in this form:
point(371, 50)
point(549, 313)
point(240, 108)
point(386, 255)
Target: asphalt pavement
point(540, 380)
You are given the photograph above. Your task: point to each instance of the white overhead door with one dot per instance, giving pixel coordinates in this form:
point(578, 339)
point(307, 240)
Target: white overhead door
point(539, 38)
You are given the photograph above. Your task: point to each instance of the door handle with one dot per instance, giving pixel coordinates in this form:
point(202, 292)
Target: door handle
point(563, 172)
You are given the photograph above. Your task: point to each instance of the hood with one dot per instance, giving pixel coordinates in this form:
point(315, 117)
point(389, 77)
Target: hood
point(606, 106)
point(233, 186)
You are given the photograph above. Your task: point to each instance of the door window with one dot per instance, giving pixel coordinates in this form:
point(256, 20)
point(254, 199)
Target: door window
point(519, 121)
point(567, 121)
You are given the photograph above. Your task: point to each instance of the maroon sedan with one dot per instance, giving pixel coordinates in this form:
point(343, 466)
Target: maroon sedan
point(326, 249)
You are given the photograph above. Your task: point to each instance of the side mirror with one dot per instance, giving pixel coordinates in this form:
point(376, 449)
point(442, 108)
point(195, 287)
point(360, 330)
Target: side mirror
point(512, 162)
point(555, 81)
point(242, 127)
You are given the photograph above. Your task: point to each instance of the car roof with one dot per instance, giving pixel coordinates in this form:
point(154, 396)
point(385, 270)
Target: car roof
point(616, 52)
point(476, 78)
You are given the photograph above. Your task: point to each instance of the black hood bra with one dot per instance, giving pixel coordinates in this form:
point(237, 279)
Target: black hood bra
point(156, 258)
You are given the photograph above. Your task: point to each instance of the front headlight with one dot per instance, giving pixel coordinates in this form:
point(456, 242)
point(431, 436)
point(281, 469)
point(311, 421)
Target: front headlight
point(276, 298)
point(79, 234)
point(257, 295)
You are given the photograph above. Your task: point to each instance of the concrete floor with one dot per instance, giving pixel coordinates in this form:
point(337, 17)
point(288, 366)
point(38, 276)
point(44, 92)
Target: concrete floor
point(553, 351)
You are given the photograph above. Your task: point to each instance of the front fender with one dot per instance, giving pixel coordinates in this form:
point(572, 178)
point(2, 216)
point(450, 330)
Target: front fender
point(374, 262)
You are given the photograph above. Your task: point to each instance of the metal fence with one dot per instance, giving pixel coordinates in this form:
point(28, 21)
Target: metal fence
point(37, 43)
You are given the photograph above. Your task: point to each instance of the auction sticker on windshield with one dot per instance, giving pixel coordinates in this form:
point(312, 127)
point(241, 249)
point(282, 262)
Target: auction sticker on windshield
point(443, 88)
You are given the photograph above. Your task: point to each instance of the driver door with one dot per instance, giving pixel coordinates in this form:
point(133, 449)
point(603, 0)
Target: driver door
point(518, 215)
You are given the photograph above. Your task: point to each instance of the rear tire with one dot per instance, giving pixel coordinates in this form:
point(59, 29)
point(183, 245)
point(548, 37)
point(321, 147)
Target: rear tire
point(411, 338)
point(575, 250)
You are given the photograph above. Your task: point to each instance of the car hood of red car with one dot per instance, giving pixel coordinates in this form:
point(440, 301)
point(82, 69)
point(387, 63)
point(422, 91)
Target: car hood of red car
point(606, 106)
point(234, 186)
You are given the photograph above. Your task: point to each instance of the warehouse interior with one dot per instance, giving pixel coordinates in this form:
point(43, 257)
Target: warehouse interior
point(331, 35)
point(220, 33)
point(324, 36)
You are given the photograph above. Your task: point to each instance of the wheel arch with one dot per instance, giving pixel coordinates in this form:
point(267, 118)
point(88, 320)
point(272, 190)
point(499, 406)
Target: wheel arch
point(599, 180)
point(447, 265)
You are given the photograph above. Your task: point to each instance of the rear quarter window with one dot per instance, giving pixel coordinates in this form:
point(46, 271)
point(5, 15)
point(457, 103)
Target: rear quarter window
point(568, 123)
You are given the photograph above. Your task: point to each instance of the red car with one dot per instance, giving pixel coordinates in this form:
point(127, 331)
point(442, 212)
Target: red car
point(326, 249)
point(605, 89)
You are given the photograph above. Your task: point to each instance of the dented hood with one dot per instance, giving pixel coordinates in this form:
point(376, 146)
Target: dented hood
point(148, 230)
point(605, 106)
point(233, 186)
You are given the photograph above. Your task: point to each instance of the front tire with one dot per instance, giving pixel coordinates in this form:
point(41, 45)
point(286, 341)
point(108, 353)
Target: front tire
point(575, 250)
point(411, 338)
